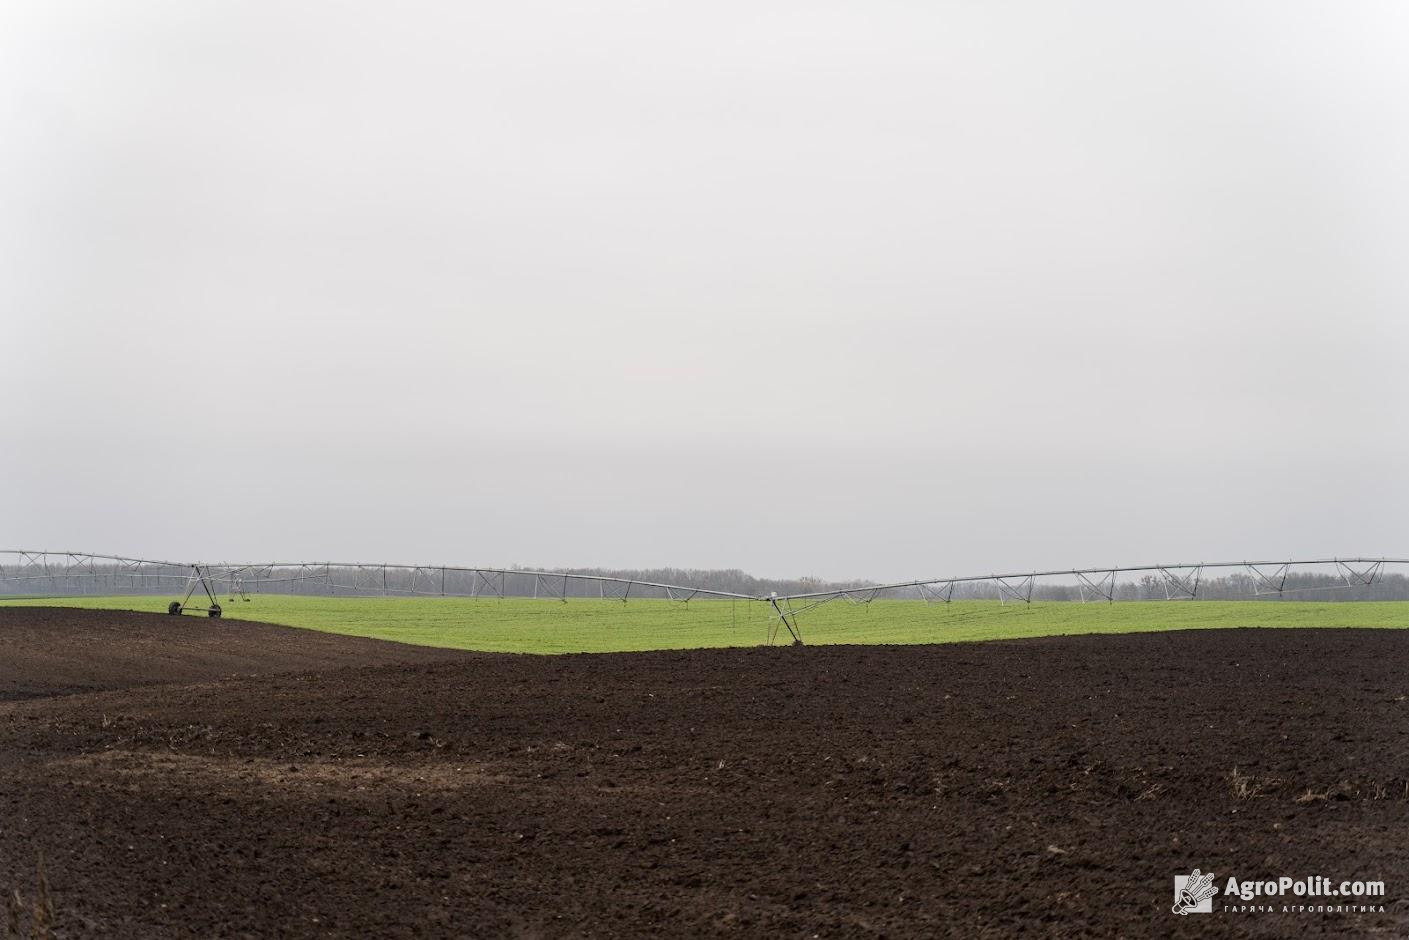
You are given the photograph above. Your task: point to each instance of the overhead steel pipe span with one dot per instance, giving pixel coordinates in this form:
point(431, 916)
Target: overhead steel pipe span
point(28, 573)
point(1212, 580)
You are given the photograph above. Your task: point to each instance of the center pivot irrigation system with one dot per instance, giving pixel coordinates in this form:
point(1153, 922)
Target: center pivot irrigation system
point(42, 574)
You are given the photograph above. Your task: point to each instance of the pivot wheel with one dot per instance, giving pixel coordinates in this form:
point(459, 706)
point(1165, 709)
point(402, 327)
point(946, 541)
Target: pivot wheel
point(174, 607)
point(214, 610)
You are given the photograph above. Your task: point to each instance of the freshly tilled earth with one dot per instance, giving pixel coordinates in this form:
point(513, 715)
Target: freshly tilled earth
point(58, 651)
point(1041, 787)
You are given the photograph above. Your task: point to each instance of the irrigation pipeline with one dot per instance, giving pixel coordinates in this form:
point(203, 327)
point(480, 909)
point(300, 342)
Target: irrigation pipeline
point(44, 574)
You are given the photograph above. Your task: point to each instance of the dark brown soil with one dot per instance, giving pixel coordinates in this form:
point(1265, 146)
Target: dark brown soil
point(1041, 787)
point(54, 651)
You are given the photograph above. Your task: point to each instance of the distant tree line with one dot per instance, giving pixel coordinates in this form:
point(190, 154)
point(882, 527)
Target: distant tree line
point(722, 579)
point(1233, 586)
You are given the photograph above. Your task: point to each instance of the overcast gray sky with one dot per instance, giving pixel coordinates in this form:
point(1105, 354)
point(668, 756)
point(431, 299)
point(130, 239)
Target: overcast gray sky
point(874, 289)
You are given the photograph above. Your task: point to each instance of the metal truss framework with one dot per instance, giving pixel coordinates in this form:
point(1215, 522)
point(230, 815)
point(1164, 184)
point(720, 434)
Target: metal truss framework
point(1173, 581)
point(43, 574)
point(40, 574)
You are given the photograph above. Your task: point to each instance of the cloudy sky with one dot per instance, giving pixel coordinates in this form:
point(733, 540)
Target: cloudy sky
point(858, 289)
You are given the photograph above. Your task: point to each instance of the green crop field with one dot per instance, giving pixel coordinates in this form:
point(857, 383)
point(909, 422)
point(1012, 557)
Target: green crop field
point(538, 626)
